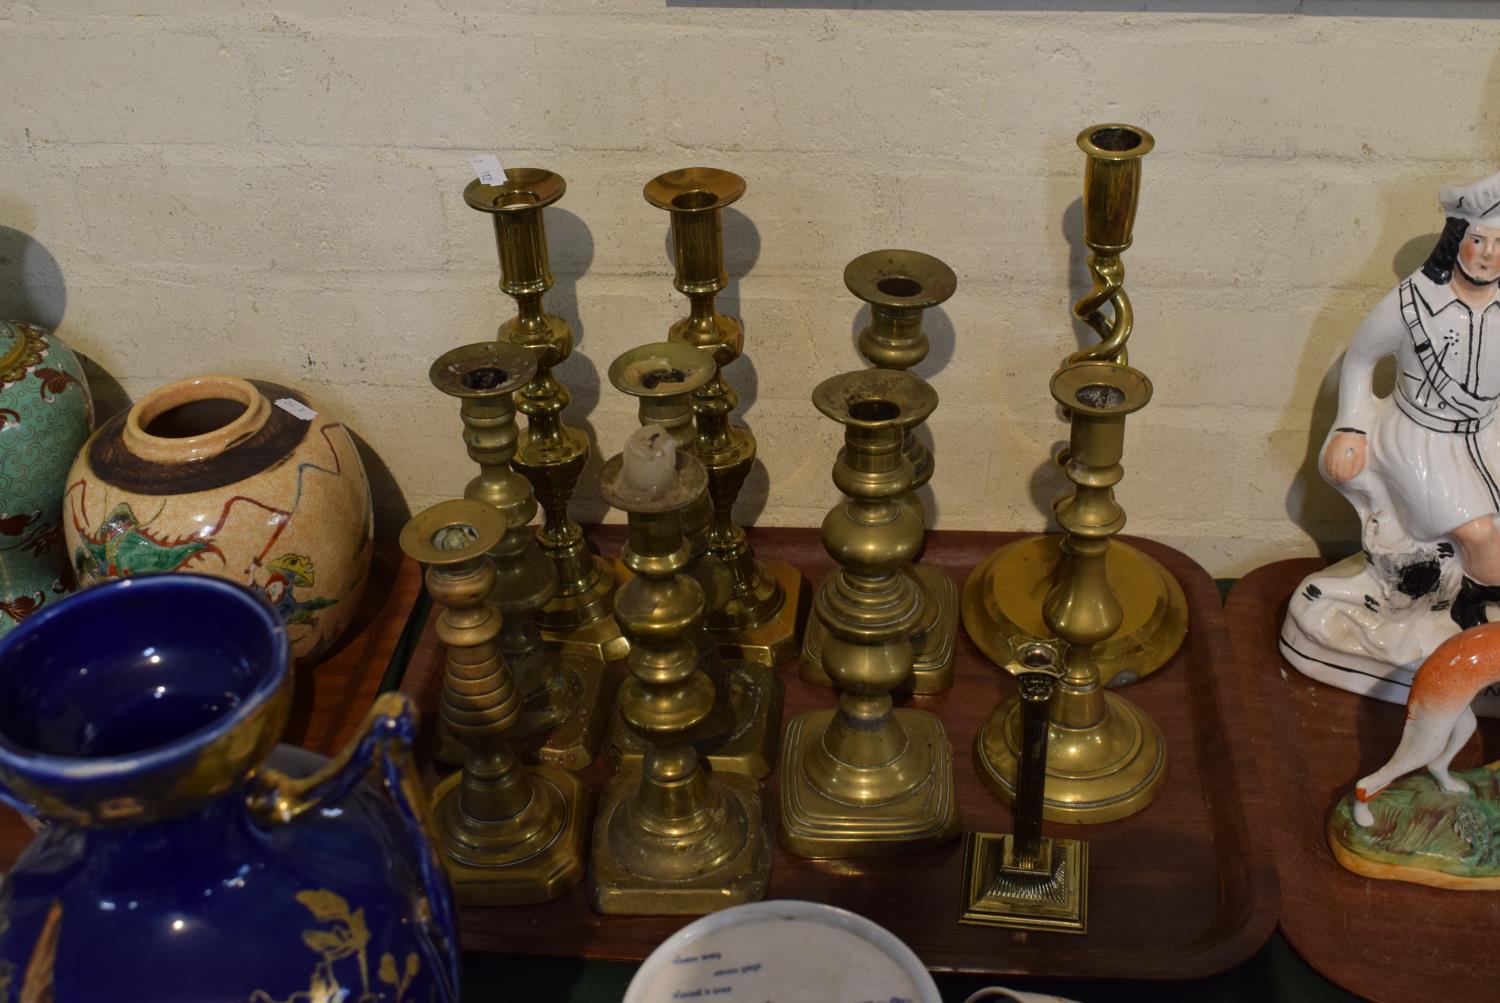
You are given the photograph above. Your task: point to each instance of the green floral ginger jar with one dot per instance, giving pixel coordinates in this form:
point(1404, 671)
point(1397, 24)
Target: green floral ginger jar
point(45, 415)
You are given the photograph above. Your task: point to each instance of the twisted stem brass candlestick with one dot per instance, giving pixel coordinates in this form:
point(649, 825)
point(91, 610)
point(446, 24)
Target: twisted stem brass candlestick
point(899, 285)
point(551, 455)
point(741, 733)
point(1004, 595)
point(866, 779)
point(670, 837)
point(509, 835)
point(565, 696)
point(752, 605)
point(1108, 758)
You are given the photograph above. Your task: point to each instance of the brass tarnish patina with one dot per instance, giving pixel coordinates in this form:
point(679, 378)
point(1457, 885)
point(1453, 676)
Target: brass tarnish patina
point(670, 837)
point(740, 735)
point(1027, 880)
point(899, 286)
point(1107, 757)
point(752, 605)
point(865, 779)
point(550, 454)
point(509, 834)
point(565, 697)
point(1006, 599)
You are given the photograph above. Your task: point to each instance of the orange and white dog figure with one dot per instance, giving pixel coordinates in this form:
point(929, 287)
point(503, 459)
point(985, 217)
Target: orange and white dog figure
point(1439, 719)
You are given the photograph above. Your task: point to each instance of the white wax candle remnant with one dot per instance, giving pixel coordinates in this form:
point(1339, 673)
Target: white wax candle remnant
point(650, 461)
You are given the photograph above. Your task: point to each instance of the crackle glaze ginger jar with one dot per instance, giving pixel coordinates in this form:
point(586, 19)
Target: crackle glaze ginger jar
point(241, 479)
point(189, 859)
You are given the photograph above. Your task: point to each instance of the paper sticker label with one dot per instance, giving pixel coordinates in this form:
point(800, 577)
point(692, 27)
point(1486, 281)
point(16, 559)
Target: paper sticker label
point(487, 167)
point(297, 408)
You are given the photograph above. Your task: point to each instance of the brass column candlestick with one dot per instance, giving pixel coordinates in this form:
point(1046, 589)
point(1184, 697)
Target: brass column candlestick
point(865, 779)
point(752, 605)
point(1004, 596)
point(509, 835)
point(1108, 760)
point(741, 734)
point(899, 286)
point(550, 455)
point(670, 837)
point(565, 698)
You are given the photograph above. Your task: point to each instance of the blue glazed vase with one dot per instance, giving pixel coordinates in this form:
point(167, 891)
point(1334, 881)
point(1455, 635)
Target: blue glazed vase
point(188, 858)
point(45, 416)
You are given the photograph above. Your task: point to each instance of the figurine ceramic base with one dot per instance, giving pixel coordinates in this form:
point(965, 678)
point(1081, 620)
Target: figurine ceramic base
point(775, 640)
point(1003, 599)
point(755, 699)
point(815, 825)
point(1100, 774)
point(583, 624)
point(540, 877)
point(563, 724)
point(932, 662)
point(1053, 897)
point(614, 888)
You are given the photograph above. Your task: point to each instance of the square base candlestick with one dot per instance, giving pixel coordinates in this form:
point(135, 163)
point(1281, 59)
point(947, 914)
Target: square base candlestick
point(1049, 894)
point(774, 641)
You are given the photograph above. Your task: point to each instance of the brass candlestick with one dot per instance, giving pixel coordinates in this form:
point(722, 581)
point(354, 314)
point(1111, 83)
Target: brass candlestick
point(509, 835)
point(741, 733)
point(1108, 760)
point(565, 697)
point(865, 779)
point(1027, 880)
point(1004, 597)
point(899, 286)
point(670, 837)
point(550, 454)
point(752, 605)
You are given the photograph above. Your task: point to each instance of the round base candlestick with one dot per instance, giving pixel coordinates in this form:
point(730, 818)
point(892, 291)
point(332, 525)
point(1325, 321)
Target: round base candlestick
point(509, 835)
point(565, 697)
point(752, 605)
point(670, 837)
point(550, 454)
point(899, 285)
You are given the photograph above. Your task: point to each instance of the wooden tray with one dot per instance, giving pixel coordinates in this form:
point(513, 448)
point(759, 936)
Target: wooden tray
point(1183, 890)
point(332, 694)
point(1386, 940)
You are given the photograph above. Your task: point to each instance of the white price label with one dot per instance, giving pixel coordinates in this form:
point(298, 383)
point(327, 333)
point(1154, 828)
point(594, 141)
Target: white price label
point(297, 408)
point(487, 167)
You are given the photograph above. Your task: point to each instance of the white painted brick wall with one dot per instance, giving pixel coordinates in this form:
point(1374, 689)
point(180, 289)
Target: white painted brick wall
point(278, 194)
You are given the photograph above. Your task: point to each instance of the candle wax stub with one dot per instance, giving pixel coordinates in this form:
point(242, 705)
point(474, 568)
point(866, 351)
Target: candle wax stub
point(650, 465)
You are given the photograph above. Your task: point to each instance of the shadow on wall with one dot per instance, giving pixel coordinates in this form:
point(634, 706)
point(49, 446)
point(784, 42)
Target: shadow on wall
point(1307, 8)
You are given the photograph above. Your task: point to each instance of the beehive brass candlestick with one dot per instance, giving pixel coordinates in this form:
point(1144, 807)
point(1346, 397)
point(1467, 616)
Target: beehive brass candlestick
point(509, 835)
point(670, 837)
point(899, 286)
point(1027, 880)
point(565, 697)
point(1005, 594)
point(865, 779)
point(1108, 760)
point(551, 455)
point(752, 605)
point(740, 734)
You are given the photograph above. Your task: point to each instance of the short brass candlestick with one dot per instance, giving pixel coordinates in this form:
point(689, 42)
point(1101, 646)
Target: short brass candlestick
point(865, 779)
point(510, 835)
point(1027, 880)
point(670, 837)
point(565, 697)
point(1108, 760)
point(1004, 597)
point(550, 455)
point(899, 286)
point(752, 605)
point(741, 733)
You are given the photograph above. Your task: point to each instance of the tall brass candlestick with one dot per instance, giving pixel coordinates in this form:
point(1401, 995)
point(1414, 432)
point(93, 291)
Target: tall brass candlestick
point(670, 837)
point(550, 455)
point(509, 835)
point(1108, 760)
point(565, 698)
point(899, 285)
point(865, 779)
point(752, 605)
point(1005, 594)
point(741, 734)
